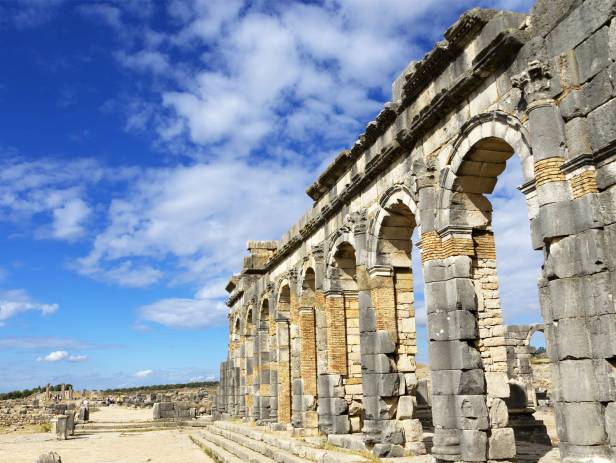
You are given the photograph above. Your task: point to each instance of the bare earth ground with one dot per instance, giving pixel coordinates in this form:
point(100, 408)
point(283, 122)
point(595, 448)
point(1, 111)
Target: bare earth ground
point(169, 446)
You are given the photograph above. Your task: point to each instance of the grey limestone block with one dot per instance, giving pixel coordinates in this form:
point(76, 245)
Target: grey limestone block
point(574, 106)
point(51, 457)
point(332, 406)
point(383, 384)
point(377, 363)
point(453, 355)
point(375, 408)
point(453, 325)
point(584, 422)
point(498, 414)
point(328, 385)
point(391, 432)
point(579, 24)
point(572, 335)
point(610, 422)
point(602, 123)
point(547, 132)
point(454, 294)
point(341, 424)
point(451, 382)
point(598, 90)
point(607, 204)
point(473, 445)
point(593, 54)
point(576, 255)
point(367, 317)
point(379, 342)
point(501, 444)
point(406, 407)
point(446, 269)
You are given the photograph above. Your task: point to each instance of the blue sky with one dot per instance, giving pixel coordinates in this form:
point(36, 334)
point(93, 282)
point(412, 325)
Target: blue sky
point(143, 142)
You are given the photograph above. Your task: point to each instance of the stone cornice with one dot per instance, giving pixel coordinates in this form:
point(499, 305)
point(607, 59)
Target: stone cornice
point(422, 74)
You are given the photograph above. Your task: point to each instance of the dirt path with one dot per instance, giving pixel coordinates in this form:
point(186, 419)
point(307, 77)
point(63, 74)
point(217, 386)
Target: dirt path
point(169, 446)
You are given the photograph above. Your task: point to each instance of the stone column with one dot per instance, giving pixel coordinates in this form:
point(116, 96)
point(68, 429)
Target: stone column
point(574, 227)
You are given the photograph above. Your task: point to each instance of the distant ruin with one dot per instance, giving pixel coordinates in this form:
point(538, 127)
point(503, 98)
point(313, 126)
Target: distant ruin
point(322, 322)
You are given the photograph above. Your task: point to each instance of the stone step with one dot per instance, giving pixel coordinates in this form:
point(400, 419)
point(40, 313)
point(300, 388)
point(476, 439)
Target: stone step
point(271, 452)
point(296, 450)
point(241, 451)
point(217, 453)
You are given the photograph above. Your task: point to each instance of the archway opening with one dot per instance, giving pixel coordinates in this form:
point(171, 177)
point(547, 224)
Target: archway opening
point(486, 203)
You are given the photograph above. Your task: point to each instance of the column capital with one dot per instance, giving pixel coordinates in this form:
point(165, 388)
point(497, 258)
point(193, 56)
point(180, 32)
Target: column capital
point(535, 82)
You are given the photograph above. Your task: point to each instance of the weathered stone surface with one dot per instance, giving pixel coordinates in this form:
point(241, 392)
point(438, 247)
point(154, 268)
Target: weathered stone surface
point(501, 444)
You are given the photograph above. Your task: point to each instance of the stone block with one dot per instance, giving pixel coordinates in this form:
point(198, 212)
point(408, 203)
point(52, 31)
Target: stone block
point(598, 90)
point(577, 25)
point(329, 386)
point(501, 444)
point(446, 269)
point(51, 457)
point(453, 355)
point(576, 255)
point(498, 414)
point(610, 422)
point(341, 424)
point(406, 363)
point(602, 339)
point(379, 342)
point(367, 318)
point(453, 382)
point(584, 423)
point(547, 132)
point(574, 106)
point(383, 384)
point(454, 294)
point(572, 338)
point(472, 412)
point(473, 445)
point(377, 363)
point(406, 407)
point(602, 123)
point(412, 430)
point(451, 325)
point(593, 54)
point(497, 384)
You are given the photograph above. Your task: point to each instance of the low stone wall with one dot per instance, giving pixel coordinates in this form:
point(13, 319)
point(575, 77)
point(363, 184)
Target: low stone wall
point(173, 411)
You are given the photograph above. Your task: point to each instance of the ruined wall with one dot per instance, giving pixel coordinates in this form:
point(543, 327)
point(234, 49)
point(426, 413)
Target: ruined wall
point(502, 87)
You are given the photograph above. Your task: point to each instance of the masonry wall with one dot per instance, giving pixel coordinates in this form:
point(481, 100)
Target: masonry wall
point(502, 87)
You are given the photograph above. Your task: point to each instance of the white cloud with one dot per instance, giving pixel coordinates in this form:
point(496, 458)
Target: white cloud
point(15, 301)
point(55, 356)
point(62, 355)
point(144, 373)
point(185, 313)
point(199, 216)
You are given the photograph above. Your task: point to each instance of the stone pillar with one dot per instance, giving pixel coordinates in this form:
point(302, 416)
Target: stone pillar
point(59, 427)
point(573, 225)
point(308, 366)
point(336, 333)
point(284, 371)
point(265, 392)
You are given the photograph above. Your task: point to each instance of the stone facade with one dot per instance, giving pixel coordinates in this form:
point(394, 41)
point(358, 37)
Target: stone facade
point(322, 322)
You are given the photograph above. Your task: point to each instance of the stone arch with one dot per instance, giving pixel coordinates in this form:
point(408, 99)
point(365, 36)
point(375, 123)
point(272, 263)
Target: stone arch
point(397, 201)
point(283, 298)
point(236, 330)
point(249, 325)
point(497, 125)
point(264, 314)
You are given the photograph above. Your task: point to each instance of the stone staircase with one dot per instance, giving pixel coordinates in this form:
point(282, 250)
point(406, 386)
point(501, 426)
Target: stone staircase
point(95, 427)
point(233, 442)
point(236, 442)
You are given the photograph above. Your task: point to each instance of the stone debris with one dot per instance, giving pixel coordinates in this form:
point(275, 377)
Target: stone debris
point(51, 457)
point(322, 323)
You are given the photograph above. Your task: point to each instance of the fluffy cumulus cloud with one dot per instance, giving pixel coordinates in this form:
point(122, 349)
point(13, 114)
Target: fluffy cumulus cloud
point(15, 301)
point(199, 215)
point(62, 355)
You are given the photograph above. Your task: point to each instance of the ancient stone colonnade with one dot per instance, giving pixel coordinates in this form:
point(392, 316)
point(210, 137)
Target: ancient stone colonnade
point(322, 322)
